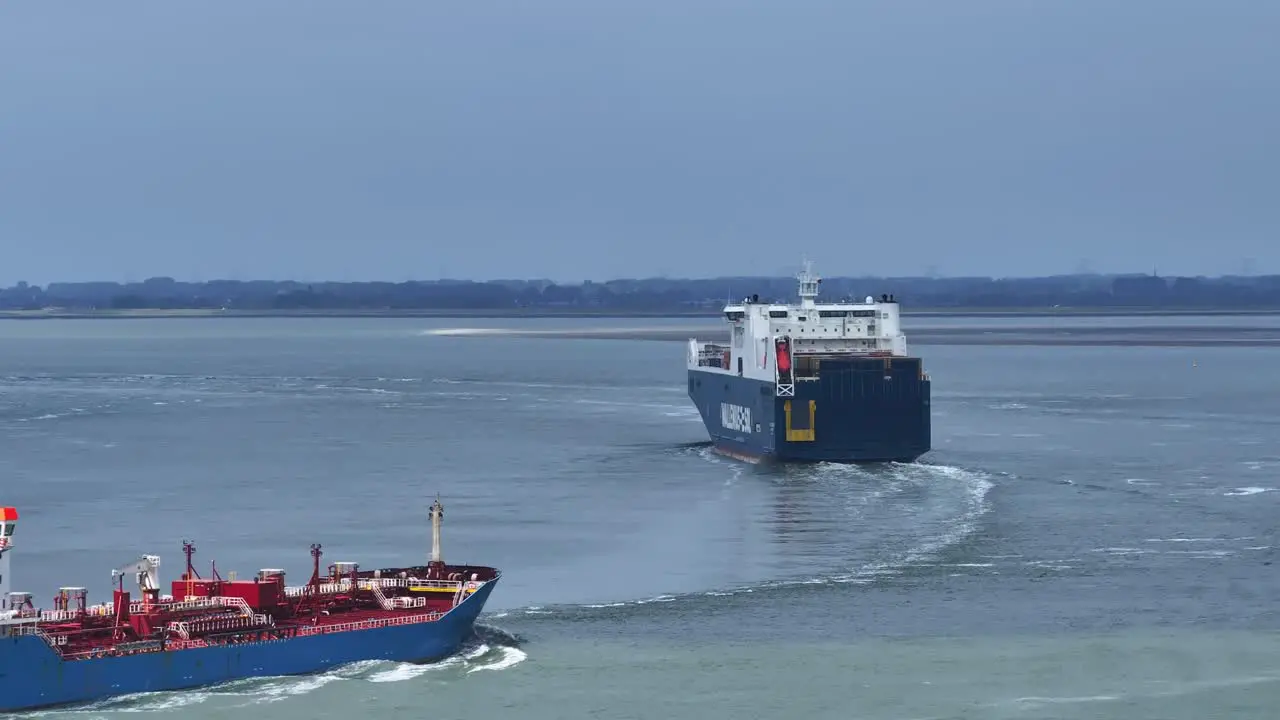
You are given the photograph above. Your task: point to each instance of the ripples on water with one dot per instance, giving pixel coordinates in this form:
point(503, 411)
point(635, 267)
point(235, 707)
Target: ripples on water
point(1096, 491)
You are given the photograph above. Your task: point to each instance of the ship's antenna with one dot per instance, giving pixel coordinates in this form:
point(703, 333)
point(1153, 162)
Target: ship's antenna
point(315, 571)
point(190, 575)
point(808, 285)
point(437, 515)
point(189, 549)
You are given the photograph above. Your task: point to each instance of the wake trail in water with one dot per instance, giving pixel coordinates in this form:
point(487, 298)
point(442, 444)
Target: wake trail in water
point(894, 518)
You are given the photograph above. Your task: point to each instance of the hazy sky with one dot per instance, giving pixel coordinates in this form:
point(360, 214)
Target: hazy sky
point(410, 140)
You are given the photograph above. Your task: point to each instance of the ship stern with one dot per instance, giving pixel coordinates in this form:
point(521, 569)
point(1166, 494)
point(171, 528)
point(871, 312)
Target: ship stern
point(857, 410)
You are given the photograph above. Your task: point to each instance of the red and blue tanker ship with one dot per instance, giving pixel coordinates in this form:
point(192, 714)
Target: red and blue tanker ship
point(211, 630)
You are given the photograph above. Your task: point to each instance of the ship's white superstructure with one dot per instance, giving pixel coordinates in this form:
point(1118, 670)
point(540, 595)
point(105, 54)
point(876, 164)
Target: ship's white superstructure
point(812, 382)
point(760, 331)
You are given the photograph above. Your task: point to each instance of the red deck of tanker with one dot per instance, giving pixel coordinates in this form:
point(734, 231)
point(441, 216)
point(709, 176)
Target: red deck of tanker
point(201, 612)
point(214, 630)
point(214, 610)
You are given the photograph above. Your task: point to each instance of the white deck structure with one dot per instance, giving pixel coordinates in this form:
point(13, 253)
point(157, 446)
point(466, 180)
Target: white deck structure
point(762, 332)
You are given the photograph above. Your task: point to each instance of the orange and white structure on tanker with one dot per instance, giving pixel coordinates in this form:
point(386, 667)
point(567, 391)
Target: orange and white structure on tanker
point(8, 521)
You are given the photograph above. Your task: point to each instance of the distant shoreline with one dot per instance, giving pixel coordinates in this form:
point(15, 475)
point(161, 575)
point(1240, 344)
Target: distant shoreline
point(1060, 295)
point(544, 313)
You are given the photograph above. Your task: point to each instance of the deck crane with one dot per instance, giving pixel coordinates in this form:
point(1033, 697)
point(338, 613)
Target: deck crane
point(146, 571)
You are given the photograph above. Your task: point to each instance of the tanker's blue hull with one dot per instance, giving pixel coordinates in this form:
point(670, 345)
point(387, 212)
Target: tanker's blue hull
point(855, 411)
point(33, 675)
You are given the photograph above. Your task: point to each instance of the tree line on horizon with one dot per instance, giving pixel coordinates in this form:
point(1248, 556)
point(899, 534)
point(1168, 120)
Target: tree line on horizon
point(649, 295)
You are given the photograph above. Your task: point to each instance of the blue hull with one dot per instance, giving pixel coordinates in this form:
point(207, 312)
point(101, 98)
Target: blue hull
point(856, 411)
point(33, 675)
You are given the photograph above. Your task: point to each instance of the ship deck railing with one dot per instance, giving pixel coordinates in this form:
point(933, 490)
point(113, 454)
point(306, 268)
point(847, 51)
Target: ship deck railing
point(69, 615)
point(460, 588)
point(29, 624)
point(185, 628)
point(199, 603)
point(469, 585)
point(55, 642)
point(344, 585)
point(20, 625)
point(407, 603)
point(125, 649)
point(309, 630)
point(378, 594)
point(844, 352)
point(370, 624)
point(235, 602)
point(137, 608)
point(709, 354)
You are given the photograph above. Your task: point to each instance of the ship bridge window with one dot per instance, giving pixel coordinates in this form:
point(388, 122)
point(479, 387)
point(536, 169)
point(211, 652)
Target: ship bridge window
point(833, 313)
point(8, 530)
point(735, 315)
point(777, 313)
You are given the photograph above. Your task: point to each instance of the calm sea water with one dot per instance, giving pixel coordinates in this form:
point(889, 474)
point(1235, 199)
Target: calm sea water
point(1093, 536)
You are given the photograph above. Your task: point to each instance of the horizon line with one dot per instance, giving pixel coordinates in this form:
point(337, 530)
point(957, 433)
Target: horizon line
point(651, 278)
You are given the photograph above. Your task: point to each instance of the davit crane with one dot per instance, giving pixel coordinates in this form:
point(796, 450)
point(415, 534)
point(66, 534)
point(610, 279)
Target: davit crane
point(146, 572)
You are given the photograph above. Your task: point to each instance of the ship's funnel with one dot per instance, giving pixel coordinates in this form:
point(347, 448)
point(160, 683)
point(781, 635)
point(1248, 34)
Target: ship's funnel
point(8, 521)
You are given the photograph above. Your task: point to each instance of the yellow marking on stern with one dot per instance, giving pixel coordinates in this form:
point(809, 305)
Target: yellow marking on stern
point(806, 435)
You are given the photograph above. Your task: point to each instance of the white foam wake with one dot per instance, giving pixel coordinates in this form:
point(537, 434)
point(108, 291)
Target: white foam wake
point(508, 657)
point(481, 657)
point(254, 691)
point(1249, 491)
point(469, 331)
point(970, 492)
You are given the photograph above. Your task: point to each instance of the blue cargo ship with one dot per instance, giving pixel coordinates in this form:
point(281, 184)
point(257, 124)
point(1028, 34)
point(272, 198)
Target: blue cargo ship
point(212, 630)
point(812, 382)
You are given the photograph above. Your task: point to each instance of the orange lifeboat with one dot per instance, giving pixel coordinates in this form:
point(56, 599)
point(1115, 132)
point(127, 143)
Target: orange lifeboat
point(783, 348)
